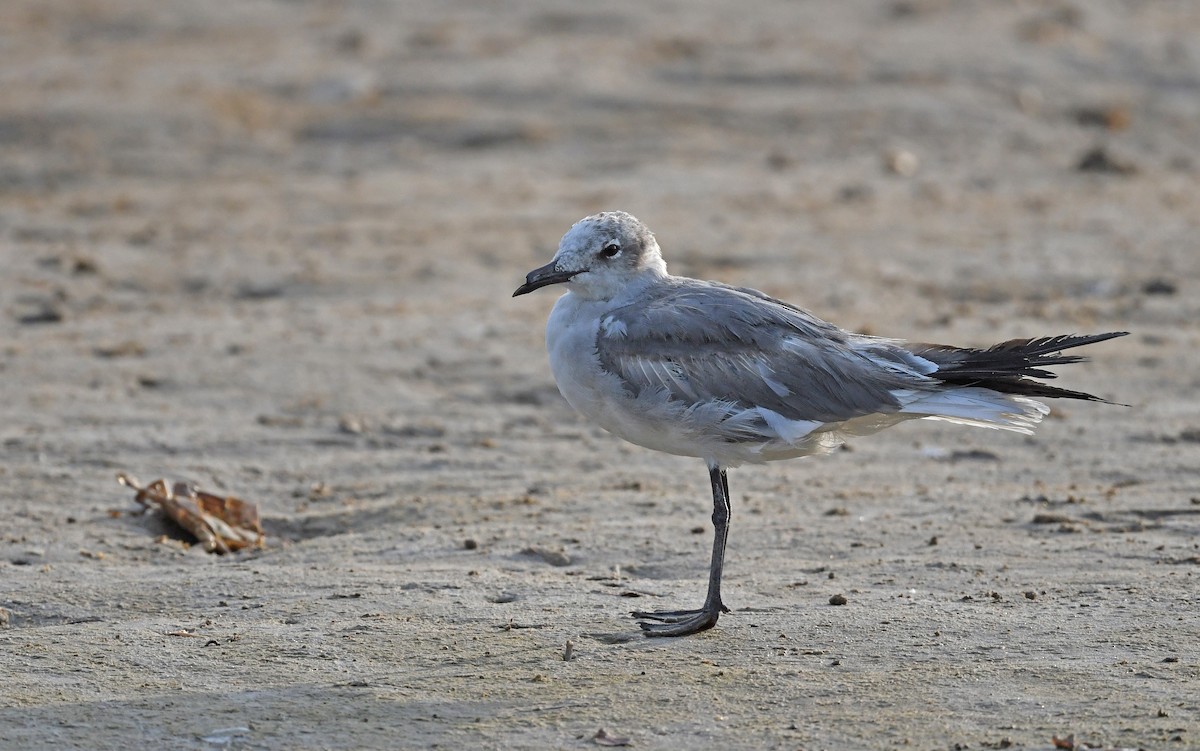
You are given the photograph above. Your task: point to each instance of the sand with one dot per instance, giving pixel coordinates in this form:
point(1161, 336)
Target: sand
point(268, 248)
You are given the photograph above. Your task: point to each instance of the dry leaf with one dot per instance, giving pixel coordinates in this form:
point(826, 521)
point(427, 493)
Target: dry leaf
point(220, 524)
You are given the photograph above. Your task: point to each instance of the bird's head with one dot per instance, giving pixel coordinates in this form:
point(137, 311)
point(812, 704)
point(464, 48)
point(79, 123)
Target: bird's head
point(600, 256)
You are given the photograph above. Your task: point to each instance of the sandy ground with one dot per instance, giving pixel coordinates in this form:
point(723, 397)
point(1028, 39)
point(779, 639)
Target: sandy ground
point(268, 247)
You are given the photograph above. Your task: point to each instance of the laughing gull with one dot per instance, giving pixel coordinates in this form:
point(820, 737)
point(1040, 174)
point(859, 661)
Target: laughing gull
point(731, 375)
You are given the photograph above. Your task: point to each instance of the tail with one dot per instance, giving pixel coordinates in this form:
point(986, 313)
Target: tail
point(1011, 367)
point(991, 388)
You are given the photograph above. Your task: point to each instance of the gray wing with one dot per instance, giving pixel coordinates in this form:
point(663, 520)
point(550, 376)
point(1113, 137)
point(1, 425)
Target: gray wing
point(703, 341)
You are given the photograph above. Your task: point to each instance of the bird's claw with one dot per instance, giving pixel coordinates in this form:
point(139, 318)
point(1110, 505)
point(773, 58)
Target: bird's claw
point(679, 622)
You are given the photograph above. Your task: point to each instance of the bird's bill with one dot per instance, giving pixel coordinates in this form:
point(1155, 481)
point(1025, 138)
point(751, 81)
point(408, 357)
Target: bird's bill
point(543, 277)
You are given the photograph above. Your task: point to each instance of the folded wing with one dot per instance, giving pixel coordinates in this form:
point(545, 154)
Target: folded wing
point(705, 342)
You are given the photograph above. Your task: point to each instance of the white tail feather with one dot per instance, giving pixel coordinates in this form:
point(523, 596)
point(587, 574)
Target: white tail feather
point(981, 408)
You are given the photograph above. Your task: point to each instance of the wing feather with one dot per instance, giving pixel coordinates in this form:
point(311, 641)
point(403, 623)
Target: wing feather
point(702, 341)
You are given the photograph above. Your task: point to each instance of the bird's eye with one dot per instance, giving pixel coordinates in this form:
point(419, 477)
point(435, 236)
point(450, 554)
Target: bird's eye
point(610, 251)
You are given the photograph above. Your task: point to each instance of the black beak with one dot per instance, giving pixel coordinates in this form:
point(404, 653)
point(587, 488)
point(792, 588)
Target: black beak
point(543, 277)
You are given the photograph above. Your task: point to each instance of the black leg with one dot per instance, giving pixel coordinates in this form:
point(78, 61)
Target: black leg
point(684, 622)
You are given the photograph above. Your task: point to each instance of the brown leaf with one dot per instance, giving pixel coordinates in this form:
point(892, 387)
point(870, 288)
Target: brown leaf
point(220, 524)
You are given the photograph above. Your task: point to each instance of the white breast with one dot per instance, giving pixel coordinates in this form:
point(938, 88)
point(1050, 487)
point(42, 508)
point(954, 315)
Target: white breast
point(599, 395)
point(571, 342)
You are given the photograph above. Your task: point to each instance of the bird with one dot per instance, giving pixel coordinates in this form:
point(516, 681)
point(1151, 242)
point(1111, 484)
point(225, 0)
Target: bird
point(732, 376)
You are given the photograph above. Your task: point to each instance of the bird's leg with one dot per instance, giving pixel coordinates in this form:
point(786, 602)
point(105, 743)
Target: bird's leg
point(684, 622)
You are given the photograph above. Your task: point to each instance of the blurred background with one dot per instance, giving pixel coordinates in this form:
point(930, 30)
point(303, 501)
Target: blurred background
point(298, 205)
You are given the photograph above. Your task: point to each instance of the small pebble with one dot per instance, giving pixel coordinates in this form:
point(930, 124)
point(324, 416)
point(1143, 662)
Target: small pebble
point(1159, 287)
point(1099, 160)
point(902, 162)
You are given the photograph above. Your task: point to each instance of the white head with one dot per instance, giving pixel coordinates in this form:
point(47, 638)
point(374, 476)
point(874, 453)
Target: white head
point(600, 256)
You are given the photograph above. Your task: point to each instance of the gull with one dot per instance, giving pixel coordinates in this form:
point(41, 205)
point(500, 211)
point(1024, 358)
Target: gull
point(731, 376)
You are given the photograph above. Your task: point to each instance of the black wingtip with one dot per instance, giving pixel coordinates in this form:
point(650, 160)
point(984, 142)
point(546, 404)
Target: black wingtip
point(1011, 366)
point(1046, 345)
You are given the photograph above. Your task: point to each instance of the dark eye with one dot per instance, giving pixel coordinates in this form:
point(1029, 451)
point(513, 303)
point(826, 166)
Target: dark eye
point(610, 251)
